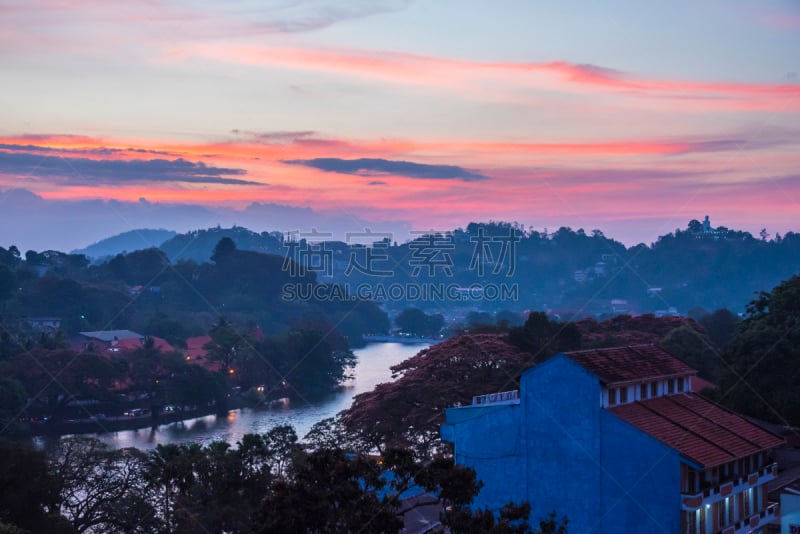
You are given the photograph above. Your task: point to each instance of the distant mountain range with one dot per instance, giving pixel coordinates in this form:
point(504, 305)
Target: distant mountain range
point(564, 271)
point(126, 242)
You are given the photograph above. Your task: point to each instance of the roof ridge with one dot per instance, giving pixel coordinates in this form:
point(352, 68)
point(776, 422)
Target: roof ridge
point(617, 347)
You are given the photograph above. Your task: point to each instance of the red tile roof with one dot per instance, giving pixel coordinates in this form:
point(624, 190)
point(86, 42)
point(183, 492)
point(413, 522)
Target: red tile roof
point(634, 363)
point(699, 384)
point(194, 346)
point(700, 430)
point(198, 355)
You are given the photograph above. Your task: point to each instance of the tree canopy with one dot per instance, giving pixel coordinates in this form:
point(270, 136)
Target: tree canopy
point(762, 362)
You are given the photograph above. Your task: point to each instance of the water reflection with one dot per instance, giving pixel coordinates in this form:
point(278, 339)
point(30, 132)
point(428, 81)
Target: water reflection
point(373, 365)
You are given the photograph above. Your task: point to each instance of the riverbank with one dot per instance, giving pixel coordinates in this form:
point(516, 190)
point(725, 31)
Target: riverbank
point(398, 339)
point(374, 363)
point(101, 425)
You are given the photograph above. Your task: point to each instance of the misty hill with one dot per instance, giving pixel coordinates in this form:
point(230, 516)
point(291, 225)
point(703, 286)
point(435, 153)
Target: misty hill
point(126, 242)
point(199, 245)
point(567, 271)
point(571, 273)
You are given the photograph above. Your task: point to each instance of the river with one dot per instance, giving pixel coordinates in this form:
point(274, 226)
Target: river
point(372, 368)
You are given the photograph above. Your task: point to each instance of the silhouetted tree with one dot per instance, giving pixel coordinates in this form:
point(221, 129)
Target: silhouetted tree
point(408, 411)
point(224, 249)
point(29, 493)
point(721, 326)
point(417, 323)
point(227, 345)
point(763, 361)
point(8, 282)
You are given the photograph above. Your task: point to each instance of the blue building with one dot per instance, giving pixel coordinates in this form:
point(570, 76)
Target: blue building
point(616, 440)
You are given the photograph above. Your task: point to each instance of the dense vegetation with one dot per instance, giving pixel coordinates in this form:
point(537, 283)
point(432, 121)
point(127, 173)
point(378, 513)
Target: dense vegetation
point(258, 341)
point(46, 380)
point(270, 483)
point(265, 483)
point(571, 271)
point(144, 291)
point(759, 370)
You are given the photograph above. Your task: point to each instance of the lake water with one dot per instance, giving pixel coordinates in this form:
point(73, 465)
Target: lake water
point(373, 365)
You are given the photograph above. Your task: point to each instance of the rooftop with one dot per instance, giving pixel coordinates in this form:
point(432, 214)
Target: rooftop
point(634, 363)
point(111, 335)
point(700, 430)
point(131, 344)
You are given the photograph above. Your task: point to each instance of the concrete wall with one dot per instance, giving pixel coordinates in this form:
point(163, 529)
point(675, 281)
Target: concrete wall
point(641, 489)
point(790, 513)
point(487, 439)
point(561, 452)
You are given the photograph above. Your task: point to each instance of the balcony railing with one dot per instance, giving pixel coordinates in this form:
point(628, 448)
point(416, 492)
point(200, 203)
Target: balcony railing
point(759, 519)
point(718, 492)
point(491, 398)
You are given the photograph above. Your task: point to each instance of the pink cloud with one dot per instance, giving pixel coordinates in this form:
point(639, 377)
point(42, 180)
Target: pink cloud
point(432, 71)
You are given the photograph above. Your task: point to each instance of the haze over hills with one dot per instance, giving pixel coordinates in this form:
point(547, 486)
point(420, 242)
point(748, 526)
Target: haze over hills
point(567, 271)
point(32, 222)
point(130, 241)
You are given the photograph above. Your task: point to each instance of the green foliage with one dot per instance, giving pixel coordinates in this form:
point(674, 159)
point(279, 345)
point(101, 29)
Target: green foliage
point(762, 363)
point(331, 433)
point(59, 376)
point(542, 337)
point(102, 489)
point(199, 245)
point(169, 329)
point(8, 282)
point(417, 323)
point(227, 345)
point(223, 250)
point(29, 493)
point(694, 348)
point(313, 359)
point(266, 483)
point(512, 519)
point(13, 399)
point(328, 492)
point(721, 326)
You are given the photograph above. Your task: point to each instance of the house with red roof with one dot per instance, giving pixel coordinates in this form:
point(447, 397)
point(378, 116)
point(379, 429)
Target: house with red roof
point(197, 354)
point(617, 440)
point(122, 346)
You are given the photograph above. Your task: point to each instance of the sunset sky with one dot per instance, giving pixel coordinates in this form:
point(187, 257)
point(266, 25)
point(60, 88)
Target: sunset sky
point(630, 117)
